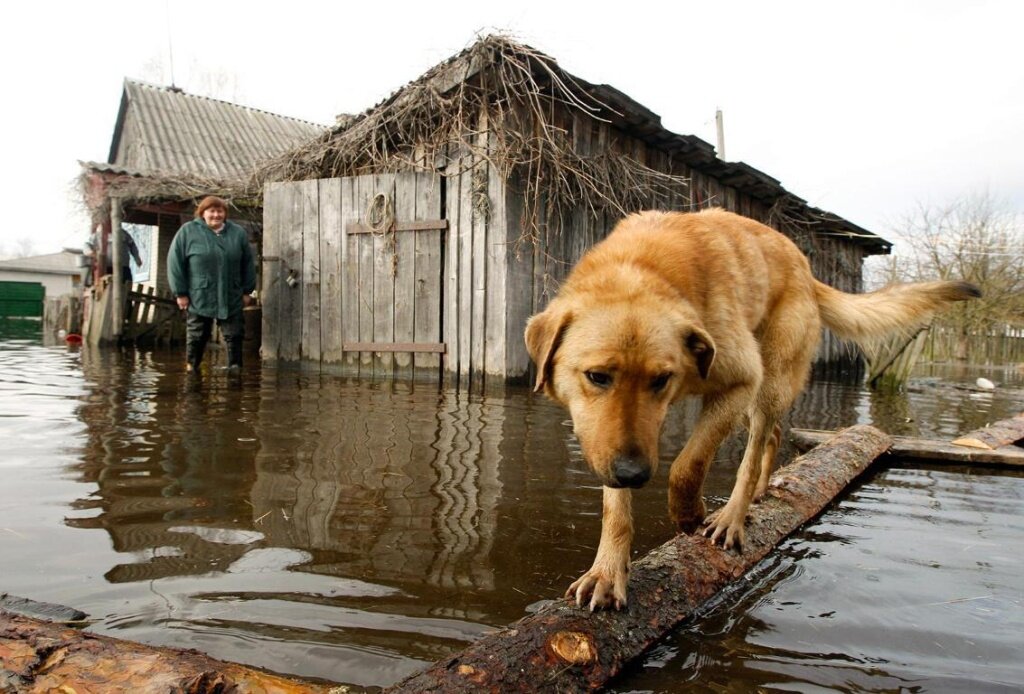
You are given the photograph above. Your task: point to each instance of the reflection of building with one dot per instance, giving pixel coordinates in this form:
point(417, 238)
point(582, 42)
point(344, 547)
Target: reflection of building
point(403, 494)
point(168, 467)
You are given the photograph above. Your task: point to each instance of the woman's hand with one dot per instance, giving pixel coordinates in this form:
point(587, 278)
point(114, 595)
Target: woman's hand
point(247, 300)
point(183, 303)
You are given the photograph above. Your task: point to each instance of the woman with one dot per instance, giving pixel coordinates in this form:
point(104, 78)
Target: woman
point(212, 274)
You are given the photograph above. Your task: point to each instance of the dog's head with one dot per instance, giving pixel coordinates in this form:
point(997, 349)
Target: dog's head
point(617, 367)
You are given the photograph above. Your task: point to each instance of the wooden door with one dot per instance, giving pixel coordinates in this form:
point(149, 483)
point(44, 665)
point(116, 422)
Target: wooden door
point(392, 264)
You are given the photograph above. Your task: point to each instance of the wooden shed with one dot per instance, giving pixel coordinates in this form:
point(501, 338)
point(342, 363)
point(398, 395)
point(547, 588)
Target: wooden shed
point(416, 239)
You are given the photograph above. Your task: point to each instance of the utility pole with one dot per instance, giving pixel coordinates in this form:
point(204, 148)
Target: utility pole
point(720, 127)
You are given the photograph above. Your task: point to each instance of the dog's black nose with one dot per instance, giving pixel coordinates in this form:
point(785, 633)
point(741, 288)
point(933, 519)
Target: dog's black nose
point(630, 472)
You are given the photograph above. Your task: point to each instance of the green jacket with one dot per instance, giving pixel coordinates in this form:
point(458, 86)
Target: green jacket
point(212, 270)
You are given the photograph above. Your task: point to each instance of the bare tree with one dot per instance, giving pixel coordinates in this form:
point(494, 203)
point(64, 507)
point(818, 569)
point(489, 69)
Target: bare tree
point(975, 238)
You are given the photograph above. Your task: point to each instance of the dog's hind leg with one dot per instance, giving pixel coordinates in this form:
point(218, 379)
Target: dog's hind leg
point(720, 414)
point(727, 522)
point(771, 449)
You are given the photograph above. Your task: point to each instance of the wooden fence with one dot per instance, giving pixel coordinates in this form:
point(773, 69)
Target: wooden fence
point(997, 346)
point(150, 316)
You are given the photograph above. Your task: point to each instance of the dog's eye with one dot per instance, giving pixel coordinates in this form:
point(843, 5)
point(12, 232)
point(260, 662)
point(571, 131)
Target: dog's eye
point(659, 382)
point(599, 378)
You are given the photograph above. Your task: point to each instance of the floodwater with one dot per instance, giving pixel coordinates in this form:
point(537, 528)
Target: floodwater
point(354, 531)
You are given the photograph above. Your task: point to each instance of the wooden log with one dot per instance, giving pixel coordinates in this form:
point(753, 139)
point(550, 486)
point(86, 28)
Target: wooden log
point(37, 656)
point(924, 449)
point(564, 648)
point(997, 435)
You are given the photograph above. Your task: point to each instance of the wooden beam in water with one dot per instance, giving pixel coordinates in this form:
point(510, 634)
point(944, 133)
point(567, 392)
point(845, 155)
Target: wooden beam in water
point(564, 648)
point(994, 436)
point(928, 450)
point(37, 656)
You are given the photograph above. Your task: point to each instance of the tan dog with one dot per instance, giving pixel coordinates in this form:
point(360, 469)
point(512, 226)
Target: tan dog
point(709, 304)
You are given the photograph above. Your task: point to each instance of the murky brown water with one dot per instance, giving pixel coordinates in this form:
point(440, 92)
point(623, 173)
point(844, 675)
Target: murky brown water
point(355, 531)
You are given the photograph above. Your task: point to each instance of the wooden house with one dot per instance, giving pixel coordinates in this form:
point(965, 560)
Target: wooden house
point(416, 239)
point(170, 149)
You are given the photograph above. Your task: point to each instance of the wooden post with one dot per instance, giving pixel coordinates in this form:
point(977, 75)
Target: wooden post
point(564, 648)
point(117, 238)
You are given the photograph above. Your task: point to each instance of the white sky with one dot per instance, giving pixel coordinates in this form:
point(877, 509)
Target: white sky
point(865, 109)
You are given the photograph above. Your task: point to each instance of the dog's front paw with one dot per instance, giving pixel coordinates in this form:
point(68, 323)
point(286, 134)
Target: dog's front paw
point(726, 524)
point(600, 588)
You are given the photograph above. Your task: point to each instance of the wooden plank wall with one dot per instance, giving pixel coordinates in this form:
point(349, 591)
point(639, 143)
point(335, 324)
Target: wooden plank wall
point(307, 209)
point(472, 287)
point(332, 270)
point(834, 261)
point(353, 288)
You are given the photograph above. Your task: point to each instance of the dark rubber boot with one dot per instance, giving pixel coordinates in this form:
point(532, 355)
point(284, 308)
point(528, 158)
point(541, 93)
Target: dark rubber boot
point(235, 354)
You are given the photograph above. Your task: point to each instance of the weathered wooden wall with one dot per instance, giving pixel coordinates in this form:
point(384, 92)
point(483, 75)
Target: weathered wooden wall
point(338, 293)
point(467, 289)
point(835, 261)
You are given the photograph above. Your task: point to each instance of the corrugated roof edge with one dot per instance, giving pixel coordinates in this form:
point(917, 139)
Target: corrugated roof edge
point(131, 82)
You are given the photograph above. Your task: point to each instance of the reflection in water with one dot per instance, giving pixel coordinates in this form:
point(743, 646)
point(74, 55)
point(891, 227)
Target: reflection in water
point(382, 481)
point(163, 454)
point(911, 584)
point(353, 531)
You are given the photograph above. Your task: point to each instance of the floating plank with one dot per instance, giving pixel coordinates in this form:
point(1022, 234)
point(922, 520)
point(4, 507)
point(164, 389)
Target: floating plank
point(562, 648)
point(994, 436)
point(925, 449)
point(37, 656)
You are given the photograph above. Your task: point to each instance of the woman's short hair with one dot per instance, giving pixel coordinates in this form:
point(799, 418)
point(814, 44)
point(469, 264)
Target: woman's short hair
point(211, 201)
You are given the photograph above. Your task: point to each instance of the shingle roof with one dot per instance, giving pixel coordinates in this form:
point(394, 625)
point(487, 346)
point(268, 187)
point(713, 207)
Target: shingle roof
point(180, 132)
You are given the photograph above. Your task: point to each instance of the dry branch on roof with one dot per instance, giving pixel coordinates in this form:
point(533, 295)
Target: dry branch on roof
point(495, 103)
point(97, 185)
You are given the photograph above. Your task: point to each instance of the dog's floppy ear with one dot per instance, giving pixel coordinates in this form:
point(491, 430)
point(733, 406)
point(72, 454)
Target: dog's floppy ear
point(702, 347)
point(543, 335)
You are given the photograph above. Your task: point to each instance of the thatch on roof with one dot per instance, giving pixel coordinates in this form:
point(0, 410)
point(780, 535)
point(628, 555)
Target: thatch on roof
point(504, 103)
point(99, 182)
point(491, 103)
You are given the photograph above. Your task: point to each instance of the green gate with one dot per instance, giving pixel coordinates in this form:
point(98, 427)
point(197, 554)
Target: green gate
point(21, 299)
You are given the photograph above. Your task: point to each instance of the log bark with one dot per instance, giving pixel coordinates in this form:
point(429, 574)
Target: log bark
point(37, 656)
point(1003, 433)
point(567, 649)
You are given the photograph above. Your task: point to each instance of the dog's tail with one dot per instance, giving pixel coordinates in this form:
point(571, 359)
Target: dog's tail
point(897, 309)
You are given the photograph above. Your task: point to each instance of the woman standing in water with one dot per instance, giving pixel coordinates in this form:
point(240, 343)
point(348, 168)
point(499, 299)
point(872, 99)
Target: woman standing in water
point(212, 274)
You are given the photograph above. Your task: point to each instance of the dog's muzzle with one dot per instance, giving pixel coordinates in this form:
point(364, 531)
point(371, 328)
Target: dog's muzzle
point(629, 472)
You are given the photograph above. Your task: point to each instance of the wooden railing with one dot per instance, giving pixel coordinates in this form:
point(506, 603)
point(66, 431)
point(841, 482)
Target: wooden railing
point(150, 317)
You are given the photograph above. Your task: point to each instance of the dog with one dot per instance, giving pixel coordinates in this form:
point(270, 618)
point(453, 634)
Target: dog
point(707, 304)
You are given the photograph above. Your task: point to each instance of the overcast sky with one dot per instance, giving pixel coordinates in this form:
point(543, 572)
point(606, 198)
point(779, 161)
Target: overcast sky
point(865, 109)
